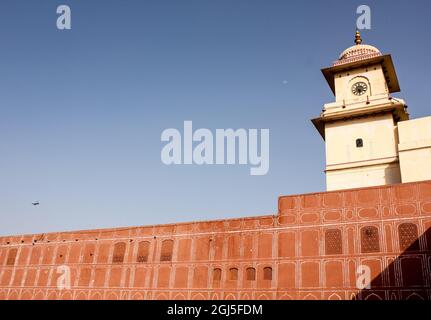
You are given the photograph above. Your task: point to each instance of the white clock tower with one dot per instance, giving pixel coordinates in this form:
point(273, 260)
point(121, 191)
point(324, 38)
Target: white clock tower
point(360, 128)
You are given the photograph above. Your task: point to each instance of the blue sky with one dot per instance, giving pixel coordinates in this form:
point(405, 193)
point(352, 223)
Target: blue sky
point(82, 111)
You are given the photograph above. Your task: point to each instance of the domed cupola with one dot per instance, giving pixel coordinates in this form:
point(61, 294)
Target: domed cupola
point(357, 52)
point(362, 56)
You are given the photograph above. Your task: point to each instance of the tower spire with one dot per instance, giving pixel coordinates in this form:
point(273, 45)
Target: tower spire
point(358, 39)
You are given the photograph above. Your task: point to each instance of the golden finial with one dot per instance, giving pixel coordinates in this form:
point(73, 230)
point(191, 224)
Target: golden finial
point(358, 39)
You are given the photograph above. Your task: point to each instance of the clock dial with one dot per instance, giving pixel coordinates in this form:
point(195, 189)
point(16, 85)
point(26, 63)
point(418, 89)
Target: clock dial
point(359, 88)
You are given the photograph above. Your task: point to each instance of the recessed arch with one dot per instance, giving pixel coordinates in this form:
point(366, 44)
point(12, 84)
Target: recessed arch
point(198, 296)
point(230, 297)
point(285, 297)
point(334, 296)
point(250, 274)
point(267, 273)
point(333, 242)
point(119, 251)
point(414, 296)
point(11, 257)
point(373, 296)
point(370, 239)
point(52, 296)
point(408, 237)
point(167, 249)
point(81, 296)
point(179, 296)
point(112, 296)
point(66, 296)
point(162, 296)
point(137, 296)
point(143, 251)
point(13, 295)
point(217, 274)
point(245, 297)
point(40, 295)
point(25, 295)
point(233, 274)
point(96, 296)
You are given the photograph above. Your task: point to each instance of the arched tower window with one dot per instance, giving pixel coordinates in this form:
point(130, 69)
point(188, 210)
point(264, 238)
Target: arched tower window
point(408, 237)
point(333, 242)
point(143, 251)
point(370, 240)
point(167, 248)
point(119, 250)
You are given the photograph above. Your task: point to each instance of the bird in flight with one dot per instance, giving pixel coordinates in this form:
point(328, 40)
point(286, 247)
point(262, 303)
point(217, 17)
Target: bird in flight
point(35, 203)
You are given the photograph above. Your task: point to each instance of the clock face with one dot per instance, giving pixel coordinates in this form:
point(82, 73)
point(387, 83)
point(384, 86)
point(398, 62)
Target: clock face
point(359, 88)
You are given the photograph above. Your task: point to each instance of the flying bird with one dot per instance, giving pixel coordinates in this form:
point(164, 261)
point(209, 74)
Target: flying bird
point(35, 203)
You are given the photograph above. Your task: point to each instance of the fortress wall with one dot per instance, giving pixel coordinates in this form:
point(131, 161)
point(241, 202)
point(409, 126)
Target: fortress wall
point(310, 250)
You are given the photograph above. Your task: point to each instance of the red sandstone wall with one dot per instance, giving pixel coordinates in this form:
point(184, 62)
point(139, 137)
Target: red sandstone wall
point(310, 250)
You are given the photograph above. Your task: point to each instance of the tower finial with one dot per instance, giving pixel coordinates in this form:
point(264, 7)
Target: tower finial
point(358, 39)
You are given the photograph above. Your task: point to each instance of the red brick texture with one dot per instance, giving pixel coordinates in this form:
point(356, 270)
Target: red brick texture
point(310, 250)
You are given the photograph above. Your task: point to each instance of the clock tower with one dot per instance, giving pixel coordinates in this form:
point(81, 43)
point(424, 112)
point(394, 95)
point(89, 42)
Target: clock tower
point(360, 128)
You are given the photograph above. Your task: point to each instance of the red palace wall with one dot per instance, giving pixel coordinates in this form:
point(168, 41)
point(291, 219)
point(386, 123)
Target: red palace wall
point(310, 250)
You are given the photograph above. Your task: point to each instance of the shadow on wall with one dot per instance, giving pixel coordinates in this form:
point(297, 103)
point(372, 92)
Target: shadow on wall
point(408, 277)
point(392, 175)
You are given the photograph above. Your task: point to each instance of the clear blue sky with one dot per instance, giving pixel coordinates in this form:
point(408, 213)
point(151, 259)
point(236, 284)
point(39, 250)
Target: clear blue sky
point(82, 111)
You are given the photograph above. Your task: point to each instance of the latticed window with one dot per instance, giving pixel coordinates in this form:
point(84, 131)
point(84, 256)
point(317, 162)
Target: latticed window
point(217, 274)
point(267, 273)
point(11, 257)
point(119, 250)
point(143, 251)
point(333, 242)
point(251, 274)
point(233, 274)
point(408, 236)
point(370, 240)
point(167, 247)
